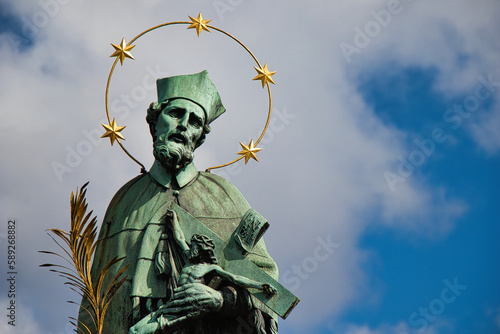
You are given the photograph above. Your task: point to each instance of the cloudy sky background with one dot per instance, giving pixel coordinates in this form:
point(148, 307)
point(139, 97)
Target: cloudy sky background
point(384, 145)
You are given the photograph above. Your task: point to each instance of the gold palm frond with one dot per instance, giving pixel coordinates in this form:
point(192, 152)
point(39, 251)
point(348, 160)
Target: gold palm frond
point(81, 243)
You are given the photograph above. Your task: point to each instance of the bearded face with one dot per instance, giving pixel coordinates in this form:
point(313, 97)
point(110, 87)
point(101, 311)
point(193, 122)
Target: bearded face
point(179, 127)
point(172, 154)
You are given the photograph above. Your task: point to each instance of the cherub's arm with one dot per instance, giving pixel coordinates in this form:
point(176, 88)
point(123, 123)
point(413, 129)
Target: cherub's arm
point(244, 281)
point(178, 233)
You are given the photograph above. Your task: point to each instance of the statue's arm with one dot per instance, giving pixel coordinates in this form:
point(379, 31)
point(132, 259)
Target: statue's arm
point(177, 231)
point(243, 281)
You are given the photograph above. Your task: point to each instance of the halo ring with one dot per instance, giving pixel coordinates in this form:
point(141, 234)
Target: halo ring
point(143, 169)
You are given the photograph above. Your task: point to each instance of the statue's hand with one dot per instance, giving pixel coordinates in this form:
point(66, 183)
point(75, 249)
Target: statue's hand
point(148, 325)
point(268, 289)
point(195, 297)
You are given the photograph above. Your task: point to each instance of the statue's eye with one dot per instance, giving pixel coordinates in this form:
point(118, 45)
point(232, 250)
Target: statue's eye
point(195, 121)
point(175, 112)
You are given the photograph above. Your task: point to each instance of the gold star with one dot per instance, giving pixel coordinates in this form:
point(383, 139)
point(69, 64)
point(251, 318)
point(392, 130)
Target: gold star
point(113, 132)
point(122, 51)
point(249, 151)
point(199, 24)
point(264, 75)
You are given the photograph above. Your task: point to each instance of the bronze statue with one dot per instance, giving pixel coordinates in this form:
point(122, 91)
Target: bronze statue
point(139, 225)
point(201, 262)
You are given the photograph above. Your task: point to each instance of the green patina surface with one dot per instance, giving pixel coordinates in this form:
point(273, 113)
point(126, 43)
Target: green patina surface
point(136, 225)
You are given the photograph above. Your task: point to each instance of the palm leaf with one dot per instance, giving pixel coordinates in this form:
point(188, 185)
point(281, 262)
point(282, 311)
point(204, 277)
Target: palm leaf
point(81, 242)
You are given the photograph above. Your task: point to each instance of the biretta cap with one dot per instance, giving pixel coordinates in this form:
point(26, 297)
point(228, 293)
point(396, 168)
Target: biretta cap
point(197, 88)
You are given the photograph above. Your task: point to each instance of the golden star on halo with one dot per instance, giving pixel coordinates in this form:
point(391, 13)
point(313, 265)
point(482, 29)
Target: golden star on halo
point(113, 132)
point(199, 24)
point(264, 75)
point(249, 151)
point(122, 51)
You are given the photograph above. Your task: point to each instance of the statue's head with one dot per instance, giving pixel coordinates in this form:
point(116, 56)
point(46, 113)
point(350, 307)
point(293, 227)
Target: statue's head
point(181, 118)
point(202, 249)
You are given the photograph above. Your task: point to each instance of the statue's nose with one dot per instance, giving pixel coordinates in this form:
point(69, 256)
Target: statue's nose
point(181, 127)
point(183, 123)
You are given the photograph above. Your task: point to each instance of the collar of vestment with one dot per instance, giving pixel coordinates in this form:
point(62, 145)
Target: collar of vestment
point(164, 177)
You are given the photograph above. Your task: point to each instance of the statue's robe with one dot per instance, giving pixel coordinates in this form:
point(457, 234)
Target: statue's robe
point(133, 224)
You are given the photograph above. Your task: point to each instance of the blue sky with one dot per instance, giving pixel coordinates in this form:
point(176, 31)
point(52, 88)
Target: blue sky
point(384, 143)
point(410, 272)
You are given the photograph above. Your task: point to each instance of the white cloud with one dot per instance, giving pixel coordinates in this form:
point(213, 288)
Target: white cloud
point(444, 36)
point(400, 328)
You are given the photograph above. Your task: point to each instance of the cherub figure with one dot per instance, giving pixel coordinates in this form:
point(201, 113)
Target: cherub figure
point(201, 262)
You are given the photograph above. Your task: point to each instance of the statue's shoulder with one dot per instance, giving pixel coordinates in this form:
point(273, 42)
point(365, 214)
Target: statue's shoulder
point(213, 195)
point(216, 182)
point(216, 178)
point(127, 190)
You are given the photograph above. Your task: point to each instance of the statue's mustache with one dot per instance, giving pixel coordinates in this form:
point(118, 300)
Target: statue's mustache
point(173, 150)
point(176, 137)
point(179, 137)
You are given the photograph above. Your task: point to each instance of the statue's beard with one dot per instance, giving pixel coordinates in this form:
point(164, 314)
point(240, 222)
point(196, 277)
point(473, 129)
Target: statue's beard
point(173, 155)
